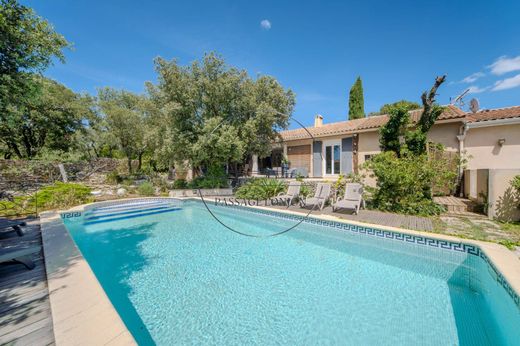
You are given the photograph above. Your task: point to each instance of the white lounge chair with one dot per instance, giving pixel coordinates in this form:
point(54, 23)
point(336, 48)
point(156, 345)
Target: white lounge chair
point(321, 195)
point(293, 192)
point(352, 199)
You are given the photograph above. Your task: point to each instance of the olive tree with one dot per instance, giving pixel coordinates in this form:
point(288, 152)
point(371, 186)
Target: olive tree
point(212, 113)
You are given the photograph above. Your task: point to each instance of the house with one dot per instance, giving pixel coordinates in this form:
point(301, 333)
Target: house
point(488, 139)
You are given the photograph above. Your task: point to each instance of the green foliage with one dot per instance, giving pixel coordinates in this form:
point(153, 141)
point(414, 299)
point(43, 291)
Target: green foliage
point(261, 188)
point(210, 112)
point(48, 120)
point(214, 178)
point(61, 195)
point(356, 103)
point(28, 45)
point(305, 190)
point(515, 183)
point(180, 184)
point(403, 104)
point(146, 189)
point(114, 178)
point(127, 116)
point(341, 182)
point(391, 133)
point(404, 185)
point(398, 127)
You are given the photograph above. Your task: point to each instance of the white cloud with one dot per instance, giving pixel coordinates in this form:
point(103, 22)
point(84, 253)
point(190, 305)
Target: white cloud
point(507, 83)
point(472, 77)
point(475, 89)
point(265, 24)
point(504, 65)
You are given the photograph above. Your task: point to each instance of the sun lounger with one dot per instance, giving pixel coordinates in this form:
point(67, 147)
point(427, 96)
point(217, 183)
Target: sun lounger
point(12, 225)
point(352, 199)
point(23, 256)
point(321, 196)
point(293, 192)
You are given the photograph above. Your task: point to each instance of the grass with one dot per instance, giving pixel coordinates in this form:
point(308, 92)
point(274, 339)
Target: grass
point(507, 234)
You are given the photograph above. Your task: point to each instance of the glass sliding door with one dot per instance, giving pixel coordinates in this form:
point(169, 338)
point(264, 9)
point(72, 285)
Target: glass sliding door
point(332, 157)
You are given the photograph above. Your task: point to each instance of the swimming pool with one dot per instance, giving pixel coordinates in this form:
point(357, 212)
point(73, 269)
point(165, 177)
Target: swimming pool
point(176, 276)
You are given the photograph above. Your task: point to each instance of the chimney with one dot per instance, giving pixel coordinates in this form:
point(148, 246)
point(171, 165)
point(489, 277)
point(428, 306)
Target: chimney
point(318, 120)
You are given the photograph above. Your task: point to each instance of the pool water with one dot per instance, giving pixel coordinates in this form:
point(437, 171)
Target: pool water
point(176, 276)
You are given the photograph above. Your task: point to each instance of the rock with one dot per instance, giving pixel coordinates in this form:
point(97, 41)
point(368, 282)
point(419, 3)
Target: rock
point(96, 193)
point(121, 191)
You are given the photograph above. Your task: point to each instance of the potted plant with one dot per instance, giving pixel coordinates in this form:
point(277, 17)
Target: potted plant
point(285, 165)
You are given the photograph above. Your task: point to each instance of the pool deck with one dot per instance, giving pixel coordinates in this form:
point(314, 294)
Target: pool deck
point(25, 309)
point(369, 216)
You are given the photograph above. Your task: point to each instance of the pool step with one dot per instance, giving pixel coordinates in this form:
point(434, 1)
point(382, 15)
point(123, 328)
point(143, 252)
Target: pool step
point(108, 213)
point(139, 213)
point(127, 211)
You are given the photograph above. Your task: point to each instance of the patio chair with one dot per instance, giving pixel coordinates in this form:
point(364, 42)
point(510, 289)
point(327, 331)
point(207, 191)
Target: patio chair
point(298, 172)
point(321, 195)
point(12, 225)
point(352, 199)
point(23, 256)
point(293, 192)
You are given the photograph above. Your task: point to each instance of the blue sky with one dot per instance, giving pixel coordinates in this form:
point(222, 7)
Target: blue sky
point(316, 48)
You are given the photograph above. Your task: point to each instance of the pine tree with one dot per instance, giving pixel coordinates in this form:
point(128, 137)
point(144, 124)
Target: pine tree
point(356, 104)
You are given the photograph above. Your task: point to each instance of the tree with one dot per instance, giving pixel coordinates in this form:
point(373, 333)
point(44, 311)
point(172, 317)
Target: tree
point(356, 104)
point(408, 105)
point(392, 133)
point(28, 44)
point(396, 131)
point(416, 140)
point(49, 118)
point(215, 114)
point(127, 117)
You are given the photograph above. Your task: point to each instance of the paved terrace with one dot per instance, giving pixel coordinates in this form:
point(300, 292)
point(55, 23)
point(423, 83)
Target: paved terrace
point(416, 223)
point(25, 312)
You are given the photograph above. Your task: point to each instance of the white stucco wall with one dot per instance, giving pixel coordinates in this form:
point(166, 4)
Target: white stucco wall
point(484, 151)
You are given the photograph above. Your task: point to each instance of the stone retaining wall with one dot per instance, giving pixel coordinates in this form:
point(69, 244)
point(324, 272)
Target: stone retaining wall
point(27, 175)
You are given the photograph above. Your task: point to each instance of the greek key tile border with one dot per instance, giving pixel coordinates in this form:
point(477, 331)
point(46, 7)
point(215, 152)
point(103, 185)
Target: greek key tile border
point(408, 238)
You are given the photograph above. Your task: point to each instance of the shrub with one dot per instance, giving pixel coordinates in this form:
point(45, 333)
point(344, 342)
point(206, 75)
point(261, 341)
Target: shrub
point(339, 185)
point(160, 182)
point(180, 184)
point(261, 188)
point(404, 184)
point(215, 177)
point(305, 190)
point(515, 183)
point(61, 195)
point(146, 189)
point(114, 178)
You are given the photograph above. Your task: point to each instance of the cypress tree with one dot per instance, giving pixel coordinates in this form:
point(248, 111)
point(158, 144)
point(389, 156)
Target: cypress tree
point(356, 104)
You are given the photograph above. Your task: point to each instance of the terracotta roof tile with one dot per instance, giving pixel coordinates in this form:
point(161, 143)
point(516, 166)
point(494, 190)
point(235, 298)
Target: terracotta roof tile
point(352, 126)
point(494, 114)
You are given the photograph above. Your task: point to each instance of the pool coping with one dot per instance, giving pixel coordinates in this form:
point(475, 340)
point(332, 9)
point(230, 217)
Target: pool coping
point(82, 313)
point(81, 310)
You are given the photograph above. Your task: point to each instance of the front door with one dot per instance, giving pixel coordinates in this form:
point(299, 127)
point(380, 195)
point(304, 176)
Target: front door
point(332, 157)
